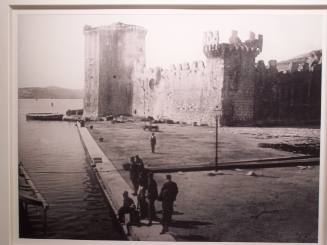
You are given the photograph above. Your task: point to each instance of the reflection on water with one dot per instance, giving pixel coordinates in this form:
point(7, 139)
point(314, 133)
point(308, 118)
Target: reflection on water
point(53, 155)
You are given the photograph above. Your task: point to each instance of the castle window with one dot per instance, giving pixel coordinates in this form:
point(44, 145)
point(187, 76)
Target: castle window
point(114, 76)
point(151, 83)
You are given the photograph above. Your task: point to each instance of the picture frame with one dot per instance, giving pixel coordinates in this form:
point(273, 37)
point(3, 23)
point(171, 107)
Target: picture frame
point(8, 97)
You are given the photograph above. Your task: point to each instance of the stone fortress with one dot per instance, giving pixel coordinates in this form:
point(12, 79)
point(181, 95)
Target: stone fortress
point(229, 82)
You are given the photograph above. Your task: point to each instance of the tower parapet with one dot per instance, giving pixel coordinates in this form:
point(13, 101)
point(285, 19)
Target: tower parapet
point(212, 48)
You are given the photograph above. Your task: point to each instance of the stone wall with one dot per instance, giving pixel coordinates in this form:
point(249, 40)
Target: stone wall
point(192, 92)
point(184, 93)
point(292, 96)
point(120, 50)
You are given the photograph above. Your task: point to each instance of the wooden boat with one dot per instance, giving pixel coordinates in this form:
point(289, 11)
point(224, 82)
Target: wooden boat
point(44, 116)
point(29, 195)
point(73, 118)
point(73, 115)
point(78, 112)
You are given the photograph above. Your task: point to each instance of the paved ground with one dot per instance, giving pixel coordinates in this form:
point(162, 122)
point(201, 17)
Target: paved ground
point(279, 205)
point(179, 145)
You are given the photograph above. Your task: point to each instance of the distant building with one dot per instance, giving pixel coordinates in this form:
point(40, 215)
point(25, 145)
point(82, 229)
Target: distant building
point(117, 82)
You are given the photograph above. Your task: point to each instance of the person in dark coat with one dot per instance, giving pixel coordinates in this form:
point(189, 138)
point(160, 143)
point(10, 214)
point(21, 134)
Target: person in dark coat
point(153, 142)
point(139, 163)
point(134, 175)
point(127, 208)
point(152, 195)
point(142, 204)
point(167, 196)
point(143, 178)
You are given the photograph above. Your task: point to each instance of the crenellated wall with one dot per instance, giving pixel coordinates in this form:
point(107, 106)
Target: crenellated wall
point(191, 92)
point(227, 82)
point(290, 96)
point(184, 92)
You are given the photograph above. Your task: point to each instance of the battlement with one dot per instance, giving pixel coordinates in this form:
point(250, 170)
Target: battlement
point(118, 26)
point(212, 48)
point(195, 71)
point(211, 38)
point(288, 67)
point(188, 66)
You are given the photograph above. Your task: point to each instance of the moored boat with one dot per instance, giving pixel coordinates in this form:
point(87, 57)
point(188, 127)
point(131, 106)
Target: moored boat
point(44, 116)
point(73, 115)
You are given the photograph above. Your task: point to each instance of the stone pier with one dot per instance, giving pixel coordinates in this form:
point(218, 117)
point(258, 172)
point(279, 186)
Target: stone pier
point(113, 186)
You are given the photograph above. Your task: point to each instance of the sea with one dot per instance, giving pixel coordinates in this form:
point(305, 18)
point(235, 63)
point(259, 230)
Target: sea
point(53, 155)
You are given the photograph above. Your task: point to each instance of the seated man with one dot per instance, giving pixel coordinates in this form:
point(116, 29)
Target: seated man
point(127, 208)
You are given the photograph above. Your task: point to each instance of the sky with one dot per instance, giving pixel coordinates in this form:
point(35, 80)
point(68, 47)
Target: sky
point(51, 44)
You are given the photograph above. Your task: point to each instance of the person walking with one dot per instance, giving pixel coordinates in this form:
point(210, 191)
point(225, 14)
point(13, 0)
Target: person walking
point(153, 142)
point(167, 196)
point(152, 195)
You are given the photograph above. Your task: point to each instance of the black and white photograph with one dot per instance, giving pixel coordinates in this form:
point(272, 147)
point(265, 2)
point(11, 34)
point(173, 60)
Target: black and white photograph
point(169, 125)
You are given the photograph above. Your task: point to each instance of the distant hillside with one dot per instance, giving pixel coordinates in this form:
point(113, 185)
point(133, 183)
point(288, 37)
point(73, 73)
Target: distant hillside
point(49, 93)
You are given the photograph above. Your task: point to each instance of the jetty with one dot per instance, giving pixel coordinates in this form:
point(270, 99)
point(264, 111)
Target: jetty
point(113, 185)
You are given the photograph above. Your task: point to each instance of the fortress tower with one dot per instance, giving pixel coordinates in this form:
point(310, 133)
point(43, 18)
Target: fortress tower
point(232, 67)
point(112, 53)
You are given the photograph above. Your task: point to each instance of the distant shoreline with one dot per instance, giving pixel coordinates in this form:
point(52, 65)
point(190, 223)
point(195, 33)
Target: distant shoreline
point(50, 93)
point(50, 98)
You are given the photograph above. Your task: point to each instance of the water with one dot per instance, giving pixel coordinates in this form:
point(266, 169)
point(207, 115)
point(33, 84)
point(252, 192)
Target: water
point(53, 155)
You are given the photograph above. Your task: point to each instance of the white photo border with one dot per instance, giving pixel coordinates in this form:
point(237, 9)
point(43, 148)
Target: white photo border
point(8, 98)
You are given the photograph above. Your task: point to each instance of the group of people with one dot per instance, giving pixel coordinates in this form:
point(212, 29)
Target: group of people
point(145, 187)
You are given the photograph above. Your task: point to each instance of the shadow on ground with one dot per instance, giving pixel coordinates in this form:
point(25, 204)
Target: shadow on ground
point(188, 224)
point(193, 238)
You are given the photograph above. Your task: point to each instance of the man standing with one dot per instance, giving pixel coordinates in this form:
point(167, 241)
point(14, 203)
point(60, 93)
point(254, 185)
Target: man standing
point(153, 142)
point(167, 195)
point(151, 197)
point(134, 175)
